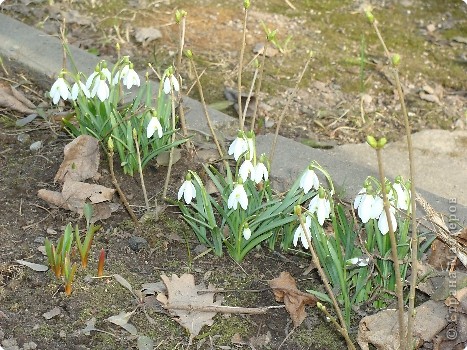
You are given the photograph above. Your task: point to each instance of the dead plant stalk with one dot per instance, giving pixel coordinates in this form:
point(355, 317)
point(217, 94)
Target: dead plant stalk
point(414, 237)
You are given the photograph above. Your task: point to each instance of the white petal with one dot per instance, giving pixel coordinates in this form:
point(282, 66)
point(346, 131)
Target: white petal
point(243, 198)
point(245, 169)
point(232, 202)
point(167, 85)
point(92, 80)
point(376, 207)
point(364, 209)
point(181, 190)
point(358, 198)
point(383, 222)
point(103, 91)
point(175, 83)
point(107, 74)
point(246, 233)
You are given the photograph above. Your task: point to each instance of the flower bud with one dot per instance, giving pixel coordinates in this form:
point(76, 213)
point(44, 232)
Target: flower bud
point(382, 142)
point(369, 16)
point(297, 210)
point(395, 59)
point(188, 54)
point(110, 144)
point(372, 141)
point(246, 4)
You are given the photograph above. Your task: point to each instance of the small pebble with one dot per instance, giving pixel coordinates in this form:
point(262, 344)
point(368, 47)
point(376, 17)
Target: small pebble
point(35, 146)
point(29, 346)
point(39, 240)
point(23, 138)
point(137, 243)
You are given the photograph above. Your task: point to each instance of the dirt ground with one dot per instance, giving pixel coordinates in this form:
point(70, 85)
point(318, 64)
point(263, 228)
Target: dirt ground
point(327, 110)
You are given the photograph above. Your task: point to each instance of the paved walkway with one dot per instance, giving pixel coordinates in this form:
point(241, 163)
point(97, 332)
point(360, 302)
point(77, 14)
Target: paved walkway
point(441, 159)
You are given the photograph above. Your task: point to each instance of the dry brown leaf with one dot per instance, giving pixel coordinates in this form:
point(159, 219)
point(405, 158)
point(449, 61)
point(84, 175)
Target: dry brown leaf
point(285, 290)
point(183, 301)
point(81, 159)
point(75, 193)
point(382, 328)
point(9, 99)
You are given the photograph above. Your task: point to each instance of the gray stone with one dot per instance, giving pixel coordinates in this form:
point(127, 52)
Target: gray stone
point(137, 243)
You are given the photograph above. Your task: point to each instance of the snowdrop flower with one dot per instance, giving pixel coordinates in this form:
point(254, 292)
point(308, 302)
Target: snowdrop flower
point(59, 89)
point(309, 180)
point(260, 172)
point(154, 124)
point(107, 73)
point(321, 206)
point(238, 195)
point(250, 145)
point(77, 87)
point(131, 78)
point(121, 74)
point(402, 196)
point(246, 169)
point(100, 88)
point(299, 233)
point(92, 79)
point(369, 206)
point(238, 146)
point(169, 82)
point(362, 261)
point(383, 221)
point(246, 232)
point(187, 190)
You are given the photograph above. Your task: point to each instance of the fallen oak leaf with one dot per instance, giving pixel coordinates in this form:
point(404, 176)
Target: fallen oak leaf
point(9, 99)
point(183, 293)
point(285, 290)
point(80, 161)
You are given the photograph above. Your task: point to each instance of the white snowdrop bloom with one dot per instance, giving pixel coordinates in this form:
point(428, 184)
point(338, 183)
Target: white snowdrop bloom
point(169, 82)
point(362, 261)
point(246, 232)
point(260, 172)
point(100, 89)
point(76, 88)
point(246, 169)
point(383, 221)
point(309, 180)
point(403, 196)
point(299, 233)
point(107, 74)
point(122, 73)
point(131, 78)
point(238, 147)
point(187, 190)
point(368, 205)
point(238, 195)
point(154, 124)
point(59, 89)
point(92, 80)
point(320, 206)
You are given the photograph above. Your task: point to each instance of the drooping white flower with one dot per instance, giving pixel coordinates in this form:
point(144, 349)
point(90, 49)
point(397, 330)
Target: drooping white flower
point(169, 82)
point(383, 221)
point(238, 195)
point(309, 180)
point(121, 74)
point(361, 261)
point(246, 169)
point(187, 190)
point(238, 146)
point(402, 196)
point(132, 78)
point(107, 74)
point(369, 206)
point(92, 79)
point(260, 173)
point(76, 88)
point(59, 89)
point(154, 124)
point(321, 206)
point(246, 232)
point(100, 89)
point(299, 233)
